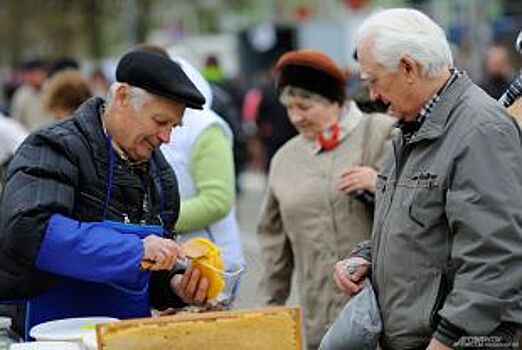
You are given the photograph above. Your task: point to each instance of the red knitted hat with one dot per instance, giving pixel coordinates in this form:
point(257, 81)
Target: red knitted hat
point(314, 71)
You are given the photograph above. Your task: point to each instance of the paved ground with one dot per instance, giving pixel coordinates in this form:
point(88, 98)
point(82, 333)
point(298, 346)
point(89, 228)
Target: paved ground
point(248, 209)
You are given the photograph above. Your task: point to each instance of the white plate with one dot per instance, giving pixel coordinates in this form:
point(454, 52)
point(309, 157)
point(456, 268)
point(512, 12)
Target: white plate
point(45, 345)
point(90, 342)
point(67, 329)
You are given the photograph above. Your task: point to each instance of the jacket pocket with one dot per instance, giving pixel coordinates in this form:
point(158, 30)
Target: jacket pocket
point(407, 306)
point(426, 200)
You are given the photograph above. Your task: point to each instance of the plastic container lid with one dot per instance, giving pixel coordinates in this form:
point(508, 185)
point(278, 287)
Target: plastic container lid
point(5, 322)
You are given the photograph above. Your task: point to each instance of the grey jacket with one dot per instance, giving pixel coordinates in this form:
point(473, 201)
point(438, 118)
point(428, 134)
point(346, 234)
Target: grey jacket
point(447, 236)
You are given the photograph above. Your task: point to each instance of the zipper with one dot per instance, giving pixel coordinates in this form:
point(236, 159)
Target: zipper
point(378, 231)
point(379, 244)
point(444, 288)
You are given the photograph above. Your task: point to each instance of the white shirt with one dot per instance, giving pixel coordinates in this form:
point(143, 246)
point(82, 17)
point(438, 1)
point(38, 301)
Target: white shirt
point(12, 133)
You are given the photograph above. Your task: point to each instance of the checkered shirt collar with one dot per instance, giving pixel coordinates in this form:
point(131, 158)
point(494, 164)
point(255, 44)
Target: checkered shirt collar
point(410, 128)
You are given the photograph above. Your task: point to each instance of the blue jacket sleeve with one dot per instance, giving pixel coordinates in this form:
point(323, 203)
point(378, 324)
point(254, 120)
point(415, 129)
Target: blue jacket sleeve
point(90, 251)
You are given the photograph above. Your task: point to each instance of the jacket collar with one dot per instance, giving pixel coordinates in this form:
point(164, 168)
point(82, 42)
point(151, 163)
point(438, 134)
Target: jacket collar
point(434, 126)
point(348, 121)
point(87, 118)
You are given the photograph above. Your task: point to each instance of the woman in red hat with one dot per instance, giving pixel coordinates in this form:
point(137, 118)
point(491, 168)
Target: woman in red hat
point(319, 188)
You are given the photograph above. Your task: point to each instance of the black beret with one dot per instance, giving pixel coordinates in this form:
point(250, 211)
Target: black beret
point(158, 75)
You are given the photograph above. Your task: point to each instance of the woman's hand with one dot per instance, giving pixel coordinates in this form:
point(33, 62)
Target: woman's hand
point(358, 178)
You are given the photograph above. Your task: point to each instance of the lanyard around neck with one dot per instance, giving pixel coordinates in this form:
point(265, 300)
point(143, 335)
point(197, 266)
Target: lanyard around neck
point(110, 179)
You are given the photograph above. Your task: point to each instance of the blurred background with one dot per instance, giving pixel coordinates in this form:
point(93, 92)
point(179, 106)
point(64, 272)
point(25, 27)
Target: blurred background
point(245, 35)
point(236, 42)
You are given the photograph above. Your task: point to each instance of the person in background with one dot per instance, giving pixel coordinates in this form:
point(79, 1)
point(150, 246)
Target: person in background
point(498, 71)
point(446, 244)
point(61, 64)
point(64, 92)
point(12, 134)
point(9, 88)
point(98, 82)
point(212, 71)
point(90, 203)
point(26, 106)
point(224, 103)
point(309, 216)
point(273, 125)
point(200, 153)
point(225, 106)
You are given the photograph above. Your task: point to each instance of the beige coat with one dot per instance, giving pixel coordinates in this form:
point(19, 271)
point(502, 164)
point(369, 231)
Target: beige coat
point(308, 224)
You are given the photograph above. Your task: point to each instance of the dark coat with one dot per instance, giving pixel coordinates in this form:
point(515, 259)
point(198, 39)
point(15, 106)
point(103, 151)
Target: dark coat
point(63, 169)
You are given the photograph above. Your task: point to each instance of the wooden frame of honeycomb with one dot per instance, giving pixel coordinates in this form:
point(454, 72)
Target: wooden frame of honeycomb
point(274, 328)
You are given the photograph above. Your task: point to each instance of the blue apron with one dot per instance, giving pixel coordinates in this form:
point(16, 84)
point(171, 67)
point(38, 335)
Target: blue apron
point(83, 298)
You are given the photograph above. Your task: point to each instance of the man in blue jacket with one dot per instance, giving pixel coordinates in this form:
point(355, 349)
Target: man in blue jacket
point(90, 202)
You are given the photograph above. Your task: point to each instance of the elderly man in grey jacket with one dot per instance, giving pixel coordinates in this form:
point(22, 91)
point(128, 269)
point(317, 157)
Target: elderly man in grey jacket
point(446, 247)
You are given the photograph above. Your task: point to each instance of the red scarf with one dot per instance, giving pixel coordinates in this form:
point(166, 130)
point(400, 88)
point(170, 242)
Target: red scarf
point(329, 139)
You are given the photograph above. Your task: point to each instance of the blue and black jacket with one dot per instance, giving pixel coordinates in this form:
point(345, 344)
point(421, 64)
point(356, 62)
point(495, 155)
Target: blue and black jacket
point(72, 219)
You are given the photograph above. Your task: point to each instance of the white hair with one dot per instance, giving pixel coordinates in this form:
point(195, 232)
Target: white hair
point(396, 33)
point(137, 96)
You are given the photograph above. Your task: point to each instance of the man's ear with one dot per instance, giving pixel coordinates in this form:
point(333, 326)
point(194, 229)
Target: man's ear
point(122, 94)
point(410, 68)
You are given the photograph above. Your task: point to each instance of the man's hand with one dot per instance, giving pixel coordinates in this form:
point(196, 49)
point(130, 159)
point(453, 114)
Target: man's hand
point(160, 253)
point(192, 287)
point(355, 283)
point(437, 345)
point(358, 178)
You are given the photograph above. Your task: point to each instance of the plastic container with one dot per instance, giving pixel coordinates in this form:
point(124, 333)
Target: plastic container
point(231, 279)
point(7, 336)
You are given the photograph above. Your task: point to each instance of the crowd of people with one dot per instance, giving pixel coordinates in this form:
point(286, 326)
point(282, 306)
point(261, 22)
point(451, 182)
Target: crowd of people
point(418, 196)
